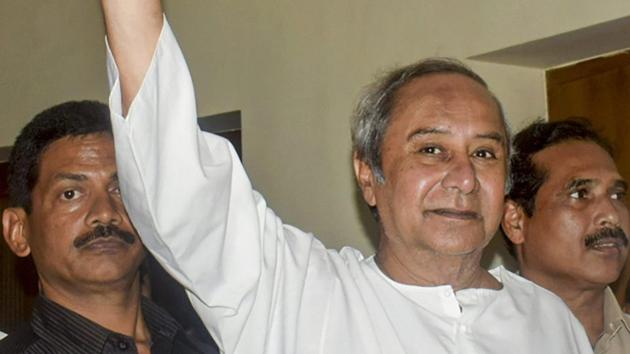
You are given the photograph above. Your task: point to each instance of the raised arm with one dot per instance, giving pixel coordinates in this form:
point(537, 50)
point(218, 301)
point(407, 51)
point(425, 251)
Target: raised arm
point(133, 28)
point(191, 200)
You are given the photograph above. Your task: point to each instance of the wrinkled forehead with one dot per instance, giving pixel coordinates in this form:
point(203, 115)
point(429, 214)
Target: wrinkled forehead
point(449, 102)
point(95, 151)
point(575, 162)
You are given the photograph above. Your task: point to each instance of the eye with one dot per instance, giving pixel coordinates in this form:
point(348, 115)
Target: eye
point(431, 150)
point(485, 154)
point(621, 195)
point(579, 194)
point(115, 189)
point(70, 194)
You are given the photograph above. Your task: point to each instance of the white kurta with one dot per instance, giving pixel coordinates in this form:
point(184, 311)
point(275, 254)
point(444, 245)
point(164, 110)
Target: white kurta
point(261, 286)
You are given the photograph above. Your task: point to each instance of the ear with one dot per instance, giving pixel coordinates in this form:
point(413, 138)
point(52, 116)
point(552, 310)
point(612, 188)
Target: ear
point(15, 231)
point(513, 222)
point(365, 178)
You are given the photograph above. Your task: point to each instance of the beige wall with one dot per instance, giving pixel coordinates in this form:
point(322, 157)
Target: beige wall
point(50, 51)
point(294, 68)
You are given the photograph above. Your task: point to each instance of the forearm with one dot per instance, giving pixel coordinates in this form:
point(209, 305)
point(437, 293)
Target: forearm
point(133, 28)
point(193, 205)
point(187, 194)
point(180, 186)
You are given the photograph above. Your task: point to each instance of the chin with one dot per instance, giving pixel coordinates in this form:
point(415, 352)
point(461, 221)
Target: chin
point(458, 249)
point(604, 277)
point(110, 273)
point(461, 245)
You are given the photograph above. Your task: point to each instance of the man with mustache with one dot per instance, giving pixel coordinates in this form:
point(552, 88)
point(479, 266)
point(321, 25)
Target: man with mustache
point(66, 211)
point(567, 223)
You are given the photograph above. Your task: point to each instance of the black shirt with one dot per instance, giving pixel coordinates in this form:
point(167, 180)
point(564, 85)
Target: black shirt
point(55, 329)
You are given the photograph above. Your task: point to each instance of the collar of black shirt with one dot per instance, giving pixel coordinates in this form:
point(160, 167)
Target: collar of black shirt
point(71, 332)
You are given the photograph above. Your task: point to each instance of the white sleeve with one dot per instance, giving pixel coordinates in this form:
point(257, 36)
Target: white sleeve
point(194, 208)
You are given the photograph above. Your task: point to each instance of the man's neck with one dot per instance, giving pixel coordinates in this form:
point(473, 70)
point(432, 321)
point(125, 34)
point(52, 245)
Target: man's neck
point(115, 308)
point(586, 303)
point(425, 268)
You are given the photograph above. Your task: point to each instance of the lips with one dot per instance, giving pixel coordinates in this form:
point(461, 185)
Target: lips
point(607, 243)
point(454, 213)
point(106, 244)
point(607, 239)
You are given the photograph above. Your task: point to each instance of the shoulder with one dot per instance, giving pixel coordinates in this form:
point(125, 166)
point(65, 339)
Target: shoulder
point(514, 282)
point(19, 340)
point(526, 292)
point(544, 314)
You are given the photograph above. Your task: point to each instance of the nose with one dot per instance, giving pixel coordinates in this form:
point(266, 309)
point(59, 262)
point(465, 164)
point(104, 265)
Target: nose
point(461, 175)
point(104, 210)
point(607, 213)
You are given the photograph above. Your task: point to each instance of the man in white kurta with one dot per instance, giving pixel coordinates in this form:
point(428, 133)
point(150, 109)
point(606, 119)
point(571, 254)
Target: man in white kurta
point(261, 286)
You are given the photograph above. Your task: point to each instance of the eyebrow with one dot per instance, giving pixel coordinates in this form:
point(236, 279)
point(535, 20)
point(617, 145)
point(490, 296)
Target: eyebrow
point(70, 176)
point(587, 182)
point(80, 177)
point(427, 131)
point(495, 136)
point(579, 182)
point(621, 184)
point(498, 137)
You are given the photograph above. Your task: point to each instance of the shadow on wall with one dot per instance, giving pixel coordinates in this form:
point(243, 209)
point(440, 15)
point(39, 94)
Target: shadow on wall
point(18, 288)
point(496, 254)
point(18, 278)
point(368, 224)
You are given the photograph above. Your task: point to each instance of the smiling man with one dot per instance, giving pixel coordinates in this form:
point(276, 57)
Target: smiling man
point(430, 152)
point(567, 222)
point(437, 182)
point(67, 213)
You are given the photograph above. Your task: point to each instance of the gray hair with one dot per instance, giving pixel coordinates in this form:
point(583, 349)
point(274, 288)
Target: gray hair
point(371, 115)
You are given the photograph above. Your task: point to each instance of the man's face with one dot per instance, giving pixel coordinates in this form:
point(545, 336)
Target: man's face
point(75, 195)
point(582, 196)
point(444, 165)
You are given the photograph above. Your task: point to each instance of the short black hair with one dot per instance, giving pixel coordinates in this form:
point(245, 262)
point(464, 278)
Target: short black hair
point(74, 118)
point(525, 177)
